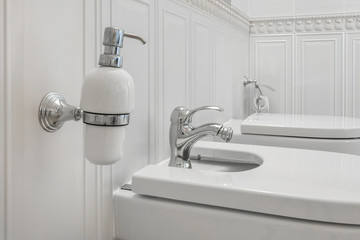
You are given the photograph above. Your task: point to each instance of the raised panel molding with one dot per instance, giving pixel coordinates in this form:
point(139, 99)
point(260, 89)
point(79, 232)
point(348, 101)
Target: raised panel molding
point(44, 192)
point(271, 64)
point(353, 75)
point(98, 179)
point(135, 16)
point(332, 74)
point(2, 124)
point(222, 80)
point(201, 69)
point(174, 65)
point(316, 71)
point(319, 77)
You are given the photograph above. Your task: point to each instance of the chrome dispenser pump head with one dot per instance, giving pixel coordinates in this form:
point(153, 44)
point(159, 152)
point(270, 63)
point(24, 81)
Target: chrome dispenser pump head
point(113, 41)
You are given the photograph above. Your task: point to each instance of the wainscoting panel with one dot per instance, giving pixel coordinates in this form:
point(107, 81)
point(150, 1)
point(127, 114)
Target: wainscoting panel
point(2, 124)
point(173, 62)
point(201, 68)
point(271, 64)
point(198, 64)
point(307, 71)
point(176, 67)
point(324, 59)
point(48, 189)
point(135, 16)
point(353, 75)
point(98, 179)
point(44, 175)
point(319, 78)
point(222, 75)
point(218, 61)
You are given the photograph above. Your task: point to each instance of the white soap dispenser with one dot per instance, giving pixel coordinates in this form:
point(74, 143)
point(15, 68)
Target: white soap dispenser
point(107, 99)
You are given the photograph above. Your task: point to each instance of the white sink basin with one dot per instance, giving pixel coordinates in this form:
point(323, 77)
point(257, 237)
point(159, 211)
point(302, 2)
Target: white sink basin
point(213, 160)
point(220, 166)
point(223, 161)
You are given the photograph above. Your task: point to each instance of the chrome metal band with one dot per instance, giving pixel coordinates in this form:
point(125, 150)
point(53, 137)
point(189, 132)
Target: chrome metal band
point(110, 60)
point(106, 119)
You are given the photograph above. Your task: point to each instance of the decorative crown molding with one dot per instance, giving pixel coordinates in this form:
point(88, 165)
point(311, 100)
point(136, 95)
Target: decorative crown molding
point(221, 10)
point(314, 23)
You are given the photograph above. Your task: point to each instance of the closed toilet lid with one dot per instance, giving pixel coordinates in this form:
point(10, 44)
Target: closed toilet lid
point(311, 126)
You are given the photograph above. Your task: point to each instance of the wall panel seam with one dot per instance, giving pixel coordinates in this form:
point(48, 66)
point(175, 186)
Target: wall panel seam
point(2, 123)
point(353, 75)
point(84, 159)
point(285, 82)
point(8, 125)
point(156, 80)
point(343, 75)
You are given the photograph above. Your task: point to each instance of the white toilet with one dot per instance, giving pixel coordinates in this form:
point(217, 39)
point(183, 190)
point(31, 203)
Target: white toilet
point(314, 132)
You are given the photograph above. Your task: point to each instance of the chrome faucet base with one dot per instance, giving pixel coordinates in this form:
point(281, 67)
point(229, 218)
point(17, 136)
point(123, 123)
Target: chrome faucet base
point(184, 164)
point(183, 135)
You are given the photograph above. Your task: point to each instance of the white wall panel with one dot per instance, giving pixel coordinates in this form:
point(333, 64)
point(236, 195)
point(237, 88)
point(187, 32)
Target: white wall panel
point(222, 75)
point(307, 72)
point(271, 64)
point(134, 17)
point(240, 67)
point(98, 179)
point(2, 122)
point(173, 64)
point(201, 70)
point(206, 87)
point(91, 172)
point(319, 82)
point(45, 189)
point(50, 190)
point(353, 75)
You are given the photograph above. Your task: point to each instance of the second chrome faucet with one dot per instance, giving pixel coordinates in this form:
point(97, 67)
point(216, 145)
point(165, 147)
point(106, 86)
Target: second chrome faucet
point(183, 135)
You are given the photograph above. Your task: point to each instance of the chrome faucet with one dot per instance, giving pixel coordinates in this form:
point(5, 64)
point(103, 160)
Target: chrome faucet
point(183, 135)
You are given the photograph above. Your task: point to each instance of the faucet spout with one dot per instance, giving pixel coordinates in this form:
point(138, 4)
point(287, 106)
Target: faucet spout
point(183, 136)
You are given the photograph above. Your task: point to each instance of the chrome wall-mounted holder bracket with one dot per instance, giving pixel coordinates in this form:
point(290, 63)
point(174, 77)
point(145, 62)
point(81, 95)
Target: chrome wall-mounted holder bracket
point(54, 111)
point(246, 81)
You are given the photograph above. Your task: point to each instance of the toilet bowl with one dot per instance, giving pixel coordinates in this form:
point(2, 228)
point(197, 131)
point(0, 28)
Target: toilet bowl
point(313, 132)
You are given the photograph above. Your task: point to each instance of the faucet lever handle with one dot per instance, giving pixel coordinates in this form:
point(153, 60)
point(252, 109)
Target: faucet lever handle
point(193, 111)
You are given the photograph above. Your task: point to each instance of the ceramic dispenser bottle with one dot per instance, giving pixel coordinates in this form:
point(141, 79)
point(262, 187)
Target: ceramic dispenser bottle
point(107, 99)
